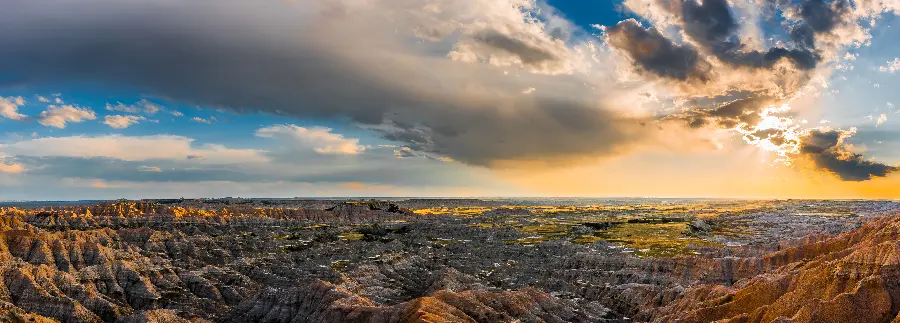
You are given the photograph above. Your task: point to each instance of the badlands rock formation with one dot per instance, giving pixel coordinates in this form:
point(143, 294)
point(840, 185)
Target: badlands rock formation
point(854, 277)
point(377, 262)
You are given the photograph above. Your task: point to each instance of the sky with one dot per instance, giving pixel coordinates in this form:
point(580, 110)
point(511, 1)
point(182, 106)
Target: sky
point(106, 99)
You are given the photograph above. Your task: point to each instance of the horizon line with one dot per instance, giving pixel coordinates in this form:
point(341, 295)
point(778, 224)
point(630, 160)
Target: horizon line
point(455, 198)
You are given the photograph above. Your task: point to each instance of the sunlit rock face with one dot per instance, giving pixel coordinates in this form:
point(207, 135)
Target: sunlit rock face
point(849, 278)
point(383, 262)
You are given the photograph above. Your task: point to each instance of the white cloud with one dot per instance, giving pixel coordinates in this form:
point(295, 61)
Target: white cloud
point(130, 149)
point(150, 107)
point(43, 99)
point(121, 122)
point(881, 119)
point(319, 139)
point(58, 116)
point(201, 120)
point(892, 66)
point(9, 107)
point(177, 113)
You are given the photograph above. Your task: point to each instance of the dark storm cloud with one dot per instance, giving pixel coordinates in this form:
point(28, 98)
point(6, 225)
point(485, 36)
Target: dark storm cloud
point(818, 17)
point(826, 148)
point(295, 60)
point(712, 24)
point(803, 35)
point(824, 17)
point(535, 131)
point(713, 27)
point(185, 56)
point(652, 52)
point(713, 33)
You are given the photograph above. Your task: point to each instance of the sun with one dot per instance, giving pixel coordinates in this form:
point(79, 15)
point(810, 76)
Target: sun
point(775, 132)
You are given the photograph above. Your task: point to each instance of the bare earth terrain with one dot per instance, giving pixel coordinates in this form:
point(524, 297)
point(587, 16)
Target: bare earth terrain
point(444, 260)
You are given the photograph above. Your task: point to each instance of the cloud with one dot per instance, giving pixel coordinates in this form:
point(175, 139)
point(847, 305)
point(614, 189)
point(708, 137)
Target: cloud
point(891, 67)
point(11, 167)
point(152, 169)
point(111, 169)
point(444, 78)
point(177, 113)
point(814, 31)
point(121, 122)
point(201, 120)
point(743, 86)
point(428, 74)
point(828, 150)
point(58, 116)
point(119, 107)
point(406, 152)
point(743, 112)
point(43, 99)
point(123, 148)
point(9, 107)
point(538, 52)
point(143, 105)
point(712, 24)
point(160, 162)
point(150, 107)
point(319, 139)
point(653, 53)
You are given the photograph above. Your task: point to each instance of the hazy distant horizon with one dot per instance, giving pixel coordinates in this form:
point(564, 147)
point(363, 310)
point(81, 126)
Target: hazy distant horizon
point(582, 199)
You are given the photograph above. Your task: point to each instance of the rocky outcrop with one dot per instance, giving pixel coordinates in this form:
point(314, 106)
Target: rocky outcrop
point(854, 277)
point(11, 313)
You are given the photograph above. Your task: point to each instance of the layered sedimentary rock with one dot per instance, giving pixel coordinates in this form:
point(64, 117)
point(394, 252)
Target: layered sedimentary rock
point(854, 277)
point(377, 262)
point(324, 302)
